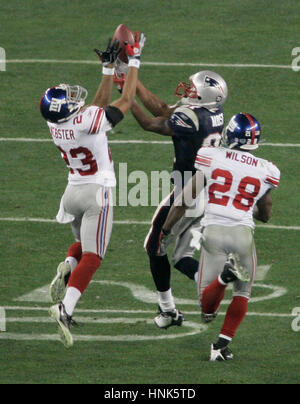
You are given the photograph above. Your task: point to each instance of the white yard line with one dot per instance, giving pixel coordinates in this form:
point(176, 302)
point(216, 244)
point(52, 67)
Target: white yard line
point(161, 64)
point(131, 222)
point(129, 141)
point(120, 311)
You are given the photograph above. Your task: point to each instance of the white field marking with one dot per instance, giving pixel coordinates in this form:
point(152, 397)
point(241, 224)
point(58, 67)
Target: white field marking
point(134, 312)
point(195, 329)
point(167, 64)
point(42, 220)
point(83, 320)
point(145, 295)
point(124, 142)
point(131, 222)
point(262, 272)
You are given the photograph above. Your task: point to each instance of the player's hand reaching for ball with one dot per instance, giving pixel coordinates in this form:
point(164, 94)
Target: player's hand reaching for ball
point(134, 51)
point(111, 53)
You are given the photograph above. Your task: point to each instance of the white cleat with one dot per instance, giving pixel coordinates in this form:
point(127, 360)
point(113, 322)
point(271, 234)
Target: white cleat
point(58, 313)
point(220, 355)
point(60, 282)
point(234, 271)
point(168, 319)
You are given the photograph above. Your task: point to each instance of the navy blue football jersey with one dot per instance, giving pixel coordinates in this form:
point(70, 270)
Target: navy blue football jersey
point(194, 127)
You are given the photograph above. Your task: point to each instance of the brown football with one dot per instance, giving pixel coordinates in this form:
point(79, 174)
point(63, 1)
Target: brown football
point(123, 34)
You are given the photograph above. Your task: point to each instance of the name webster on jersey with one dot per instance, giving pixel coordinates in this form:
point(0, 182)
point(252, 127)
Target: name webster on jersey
point(63, 134)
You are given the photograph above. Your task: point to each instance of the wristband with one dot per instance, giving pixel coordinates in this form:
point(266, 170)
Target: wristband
point(108, 71)
point(134, 63)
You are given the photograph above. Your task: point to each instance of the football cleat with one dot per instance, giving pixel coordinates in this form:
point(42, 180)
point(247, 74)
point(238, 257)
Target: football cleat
point(208, 318)
point(168, 319)
point(60, 282)
point(233, 271)
point(220, 355)
point(64, 321)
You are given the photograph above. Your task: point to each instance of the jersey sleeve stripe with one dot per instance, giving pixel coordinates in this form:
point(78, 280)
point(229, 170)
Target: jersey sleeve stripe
point(99, 124)
point(274, 182)
point(203, 161)
point(203, 157)
point(95, 127)
point(92, 125)
point(201, 164)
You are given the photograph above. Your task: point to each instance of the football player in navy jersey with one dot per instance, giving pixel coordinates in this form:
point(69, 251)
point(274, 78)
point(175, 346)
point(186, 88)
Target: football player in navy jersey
point(196, 121)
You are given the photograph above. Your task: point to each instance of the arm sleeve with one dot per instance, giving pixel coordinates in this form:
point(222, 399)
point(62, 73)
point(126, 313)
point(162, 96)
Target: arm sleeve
point(183, 122)
point(113, 115)
point(93, 120)
point(273, 176)
point(204, 161)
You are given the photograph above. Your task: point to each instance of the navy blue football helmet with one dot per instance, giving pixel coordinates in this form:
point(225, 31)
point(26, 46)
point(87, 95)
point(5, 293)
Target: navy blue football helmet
point(61, 103)
point(242, 132)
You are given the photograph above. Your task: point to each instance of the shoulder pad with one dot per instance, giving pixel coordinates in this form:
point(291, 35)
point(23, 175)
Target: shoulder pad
point(184, 120)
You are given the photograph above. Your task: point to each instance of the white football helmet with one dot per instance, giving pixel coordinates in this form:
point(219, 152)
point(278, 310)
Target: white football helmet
point(206, 89)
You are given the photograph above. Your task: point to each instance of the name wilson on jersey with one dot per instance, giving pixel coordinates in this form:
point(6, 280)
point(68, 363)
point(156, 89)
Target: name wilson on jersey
point(246, 159)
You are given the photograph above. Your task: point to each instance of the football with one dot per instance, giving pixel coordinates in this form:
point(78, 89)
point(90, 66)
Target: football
point(123, 34)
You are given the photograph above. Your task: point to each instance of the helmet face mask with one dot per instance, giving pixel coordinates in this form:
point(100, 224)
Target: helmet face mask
point(61, 103)
point(186, 90)
point(242, 132)
point(206, 89)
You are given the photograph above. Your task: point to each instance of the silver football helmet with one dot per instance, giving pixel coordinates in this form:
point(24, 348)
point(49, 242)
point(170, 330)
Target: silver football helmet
point(205, 88)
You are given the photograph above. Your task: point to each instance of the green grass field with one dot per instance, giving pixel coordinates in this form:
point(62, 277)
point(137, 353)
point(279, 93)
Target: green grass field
point(116, 342)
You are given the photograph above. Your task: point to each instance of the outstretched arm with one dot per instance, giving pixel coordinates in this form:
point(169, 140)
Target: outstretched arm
point(157, 125)
point(124, 103)
point(152, 103)
point(108, 58)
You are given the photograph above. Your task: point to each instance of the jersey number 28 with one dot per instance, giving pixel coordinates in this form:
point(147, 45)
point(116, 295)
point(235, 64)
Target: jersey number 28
point(244, 199)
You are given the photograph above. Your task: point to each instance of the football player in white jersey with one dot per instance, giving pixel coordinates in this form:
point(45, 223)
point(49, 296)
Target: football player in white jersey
point(237, 189)
point(197, 120)
point(80, 133)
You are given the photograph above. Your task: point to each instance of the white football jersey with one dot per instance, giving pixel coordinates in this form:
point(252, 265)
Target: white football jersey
point(235, 181)
point(83, 144)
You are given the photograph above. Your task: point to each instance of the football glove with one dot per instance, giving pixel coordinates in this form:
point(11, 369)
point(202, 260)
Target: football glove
point(121, 71)
point(119, 81)
point(110, 55)
point(134, 51)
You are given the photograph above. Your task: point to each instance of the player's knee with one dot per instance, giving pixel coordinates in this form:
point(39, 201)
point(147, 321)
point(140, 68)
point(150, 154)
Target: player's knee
point(91, 260)
point(245, 294)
